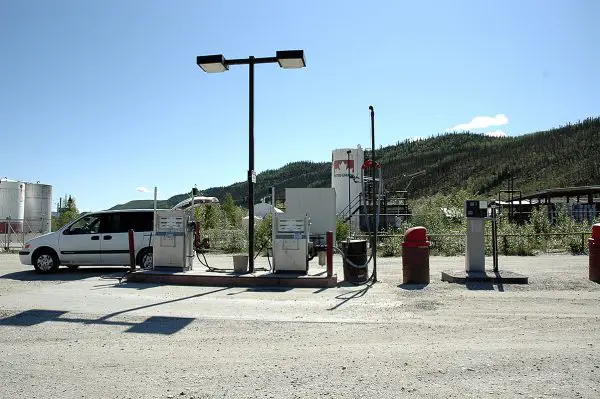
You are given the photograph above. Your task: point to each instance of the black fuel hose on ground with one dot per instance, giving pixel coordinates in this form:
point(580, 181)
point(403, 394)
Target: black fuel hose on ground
point(216, 269)
point(116, 277)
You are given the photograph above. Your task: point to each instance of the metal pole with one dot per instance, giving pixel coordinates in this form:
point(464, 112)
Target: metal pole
point(329, 241)
point(131, 250)
point(9, 239)
point(349, 196)
point(251, 167)
point(494, 240)
point(273, 197)
point(155, 224)
point(374, 244)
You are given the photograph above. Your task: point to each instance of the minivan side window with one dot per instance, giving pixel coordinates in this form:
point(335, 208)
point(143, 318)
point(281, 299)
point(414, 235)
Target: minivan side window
point(89, 224)
point(136, 221)
point(111, 223)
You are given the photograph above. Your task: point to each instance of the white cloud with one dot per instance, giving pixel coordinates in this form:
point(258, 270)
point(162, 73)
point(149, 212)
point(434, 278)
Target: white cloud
point(142, 190)
point(496, 133)
point(481, 122)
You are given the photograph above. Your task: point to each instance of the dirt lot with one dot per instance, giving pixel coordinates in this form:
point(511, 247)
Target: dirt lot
point(82, 335)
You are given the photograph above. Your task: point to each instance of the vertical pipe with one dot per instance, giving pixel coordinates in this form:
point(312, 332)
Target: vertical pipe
point(155, 222)
point(251, 166)
point(374, 244)
point(131, 251)
point(349, 195)
point(273, 197)
point(9, 239)
point(494, 240)
point(329, 239)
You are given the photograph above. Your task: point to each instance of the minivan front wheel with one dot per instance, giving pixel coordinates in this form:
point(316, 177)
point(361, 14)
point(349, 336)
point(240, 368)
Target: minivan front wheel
point(45, 261)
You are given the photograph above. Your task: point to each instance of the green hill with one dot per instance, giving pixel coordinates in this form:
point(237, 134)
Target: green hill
point(561, 157)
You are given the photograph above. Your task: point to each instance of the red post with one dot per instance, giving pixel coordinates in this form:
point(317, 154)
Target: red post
point(329, 239)
point(594, 254)
point(131, 251)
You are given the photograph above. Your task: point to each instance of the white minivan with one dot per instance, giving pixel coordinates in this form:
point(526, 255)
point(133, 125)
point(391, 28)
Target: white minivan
point(97, 238)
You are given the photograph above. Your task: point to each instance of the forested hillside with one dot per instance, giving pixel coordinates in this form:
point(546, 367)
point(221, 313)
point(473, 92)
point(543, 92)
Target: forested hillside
point(561, 157)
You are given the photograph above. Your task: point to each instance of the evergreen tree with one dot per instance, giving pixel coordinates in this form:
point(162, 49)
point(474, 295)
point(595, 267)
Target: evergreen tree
point(66, 213)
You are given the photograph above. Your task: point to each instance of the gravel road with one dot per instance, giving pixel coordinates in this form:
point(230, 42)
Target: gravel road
point(82, 335)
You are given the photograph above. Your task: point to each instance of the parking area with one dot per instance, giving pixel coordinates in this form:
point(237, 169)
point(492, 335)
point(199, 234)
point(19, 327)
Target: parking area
point(84, 332)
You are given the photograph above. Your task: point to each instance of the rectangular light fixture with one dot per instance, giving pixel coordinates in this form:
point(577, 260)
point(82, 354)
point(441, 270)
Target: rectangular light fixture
point(291, 59)
point(212, 63)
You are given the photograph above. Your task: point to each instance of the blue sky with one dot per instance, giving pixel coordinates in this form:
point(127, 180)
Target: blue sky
point(99, 98)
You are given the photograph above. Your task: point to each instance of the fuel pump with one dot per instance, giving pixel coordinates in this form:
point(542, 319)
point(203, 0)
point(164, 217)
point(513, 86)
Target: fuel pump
point(290, 243)
point(173, 243)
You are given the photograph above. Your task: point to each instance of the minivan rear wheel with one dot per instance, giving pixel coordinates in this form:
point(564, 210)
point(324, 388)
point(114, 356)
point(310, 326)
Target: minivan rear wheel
point(45, 261)
point(145, 258)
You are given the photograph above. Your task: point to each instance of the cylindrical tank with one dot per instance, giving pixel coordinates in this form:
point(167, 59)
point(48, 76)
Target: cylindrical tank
point(341, 166)
point(12, 206)
point(38, 208)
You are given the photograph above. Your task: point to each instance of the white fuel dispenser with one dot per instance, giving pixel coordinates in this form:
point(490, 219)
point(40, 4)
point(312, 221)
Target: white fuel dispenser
point(476, 213)
point(290, 243)
point(173, 239)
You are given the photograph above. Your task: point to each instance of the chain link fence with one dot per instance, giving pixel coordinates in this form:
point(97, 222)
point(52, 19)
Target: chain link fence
point(452, 244)
point(14, 233)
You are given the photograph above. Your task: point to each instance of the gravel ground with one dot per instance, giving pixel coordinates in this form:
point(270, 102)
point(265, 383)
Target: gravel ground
point(81, 335)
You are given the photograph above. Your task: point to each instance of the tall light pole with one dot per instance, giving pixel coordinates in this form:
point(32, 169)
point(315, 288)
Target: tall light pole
point(374, 194)
point(349, 195)
point(217, 63)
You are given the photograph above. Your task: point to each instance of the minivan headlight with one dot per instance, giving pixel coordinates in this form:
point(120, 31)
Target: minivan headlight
point(27, 246)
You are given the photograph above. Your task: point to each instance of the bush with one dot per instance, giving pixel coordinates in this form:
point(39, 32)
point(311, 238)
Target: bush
point(391, 245)
point(449, 245)
point(342, 230)
point(263, 233)
point(236, 241)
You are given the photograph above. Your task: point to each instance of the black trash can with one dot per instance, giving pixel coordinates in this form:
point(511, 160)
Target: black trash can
point(356, 269)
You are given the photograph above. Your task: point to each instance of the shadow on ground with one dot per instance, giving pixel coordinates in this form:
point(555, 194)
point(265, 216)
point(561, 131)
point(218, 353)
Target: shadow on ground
point(348, 296)
point(413, 287)
point(65, 274)
point(262, 289)
point(152, 325)
point(483, 286)
point(165, 325)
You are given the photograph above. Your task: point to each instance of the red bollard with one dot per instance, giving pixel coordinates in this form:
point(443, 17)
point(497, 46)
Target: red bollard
point(131, 251)
point(329, 239)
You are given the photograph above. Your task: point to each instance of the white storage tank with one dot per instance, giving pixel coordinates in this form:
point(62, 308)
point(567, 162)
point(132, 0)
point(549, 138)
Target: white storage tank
point(343, 164)
point(38, 208)
point(12, 205)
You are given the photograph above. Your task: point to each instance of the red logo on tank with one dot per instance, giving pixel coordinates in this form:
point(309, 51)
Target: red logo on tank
point(349, 165)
